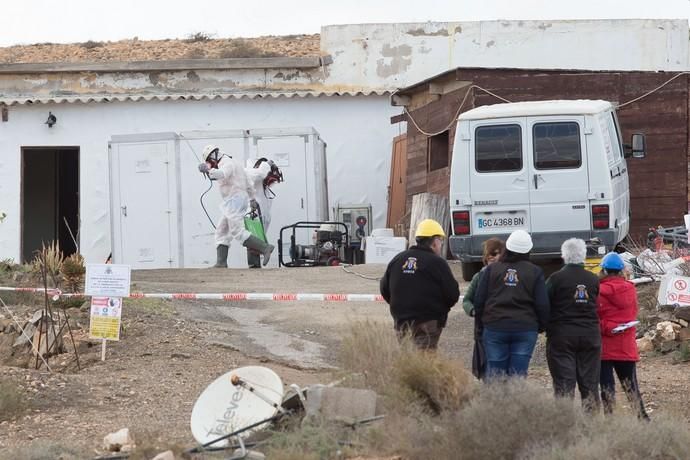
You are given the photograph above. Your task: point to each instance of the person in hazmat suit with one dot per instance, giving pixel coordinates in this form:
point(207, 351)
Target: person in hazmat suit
point(235, 192)
point(262, 174)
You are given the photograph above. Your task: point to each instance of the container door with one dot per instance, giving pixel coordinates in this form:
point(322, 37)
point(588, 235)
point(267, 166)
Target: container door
point(558, 179)
point(499, 186)
point(144, 211)
point(292, 202)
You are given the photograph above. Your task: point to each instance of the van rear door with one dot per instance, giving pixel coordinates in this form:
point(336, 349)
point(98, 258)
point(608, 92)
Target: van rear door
point(558, 180)
point(499, 186)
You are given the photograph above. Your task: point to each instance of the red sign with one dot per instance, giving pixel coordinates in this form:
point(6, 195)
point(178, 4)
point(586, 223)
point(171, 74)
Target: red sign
point(681, 285)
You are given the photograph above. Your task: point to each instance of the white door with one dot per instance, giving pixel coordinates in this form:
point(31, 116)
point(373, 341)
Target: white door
point(291, 203)
point(558, 179)
point(499, 186)
point(147, 217)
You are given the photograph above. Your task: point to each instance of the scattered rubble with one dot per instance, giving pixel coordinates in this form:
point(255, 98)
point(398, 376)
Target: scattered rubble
point(120, 441)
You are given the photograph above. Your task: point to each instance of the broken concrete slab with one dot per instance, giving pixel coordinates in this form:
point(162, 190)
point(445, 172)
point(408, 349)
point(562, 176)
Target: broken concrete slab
point(24, 338)
point(666, 331)
point(335, 403)
point(120, 441)
point(645, 344)
point(683, 335)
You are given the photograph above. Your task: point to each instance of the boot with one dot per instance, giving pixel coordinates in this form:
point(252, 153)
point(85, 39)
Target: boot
point(253, 259)
point(221, 256)
point(261, 247)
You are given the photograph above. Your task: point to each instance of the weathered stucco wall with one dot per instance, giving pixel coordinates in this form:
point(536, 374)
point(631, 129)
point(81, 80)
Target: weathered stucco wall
point(357, 130)
point(397, 55)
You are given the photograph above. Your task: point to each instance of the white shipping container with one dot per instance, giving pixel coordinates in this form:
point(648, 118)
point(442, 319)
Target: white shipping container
point(157, 216)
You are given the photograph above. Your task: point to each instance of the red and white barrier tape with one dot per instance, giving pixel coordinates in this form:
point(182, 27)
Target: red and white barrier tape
point(241, 296)
point(230, 296)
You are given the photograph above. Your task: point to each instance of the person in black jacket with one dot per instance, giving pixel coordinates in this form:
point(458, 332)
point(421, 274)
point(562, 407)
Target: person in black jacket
point(573, 339)
point(513, 306)
point(420, 288)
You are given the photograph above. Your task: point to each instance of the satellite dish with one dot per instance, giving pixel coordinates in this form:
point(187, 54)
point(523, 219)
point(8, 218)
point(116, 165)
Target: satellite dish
point(235, 400)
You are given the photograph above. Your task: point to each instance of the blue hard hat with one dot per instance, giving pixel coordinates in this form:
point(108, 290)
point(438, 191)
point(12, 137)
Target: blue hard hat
point(612, 261)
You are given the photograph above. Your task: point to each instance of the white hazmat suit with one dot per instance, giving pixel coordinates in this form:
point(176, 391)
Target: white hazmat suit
point(256, 177)
point(235, 191)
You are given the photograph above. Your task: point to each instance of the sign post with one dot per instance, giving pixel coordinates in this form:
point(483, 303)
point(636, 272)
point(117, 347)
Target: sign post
point(107, 284)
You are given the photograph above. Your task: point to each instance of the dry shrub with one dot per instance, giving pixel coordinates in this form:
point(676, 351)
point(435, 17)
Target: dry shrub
point(239, 48)
point(89, 45)
point(315, 440)
point(44, 450)
point(623, 437)
point(73, 272)
point(408, 379)
point(12, 402)
point(507, 418)
point(49, 260)
point(503, 421)
point(199, 37)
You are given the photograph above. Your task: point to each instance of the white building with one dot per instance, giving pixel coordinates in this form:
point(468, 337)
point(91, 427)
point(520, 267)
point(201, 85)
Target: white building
point(49, 174)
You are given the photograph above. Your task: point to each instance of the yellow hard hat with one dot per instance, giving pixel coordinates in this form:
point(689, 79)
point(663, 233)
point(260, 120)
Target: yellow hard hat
point(429, 228)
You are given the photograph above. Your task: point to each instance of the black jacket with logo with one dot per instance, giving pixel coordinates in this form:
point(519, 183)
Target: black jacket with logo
point(511, 296)
point(418, 285)
point(573, 293)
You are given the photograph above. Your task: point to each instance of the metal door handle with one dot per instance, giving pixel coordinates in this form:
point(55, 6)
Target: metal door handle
point(302, 202)
point(536, 181)
point(124, 210)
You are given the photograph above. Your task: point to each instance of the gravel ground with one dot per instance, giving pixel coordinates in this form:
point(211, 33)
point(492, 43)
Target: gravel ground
point(171, 351)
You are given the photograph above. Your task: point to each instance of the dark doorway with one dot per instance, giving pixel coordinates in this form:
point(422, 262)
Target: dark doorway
point(50, 199)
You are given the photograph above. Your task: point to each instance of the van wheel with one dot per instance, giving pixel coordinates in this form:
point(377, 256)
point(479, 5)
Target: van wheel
point(469, 269)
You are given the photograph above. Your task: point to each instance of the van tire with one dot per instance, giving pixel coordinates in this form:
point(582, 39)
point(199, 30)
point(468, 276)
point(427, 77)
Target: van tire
point(469, 269)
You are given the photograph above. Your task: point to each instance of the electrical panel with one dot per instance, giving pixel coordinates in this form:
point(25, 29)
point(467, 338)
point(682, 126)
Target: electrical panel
point(357, 219)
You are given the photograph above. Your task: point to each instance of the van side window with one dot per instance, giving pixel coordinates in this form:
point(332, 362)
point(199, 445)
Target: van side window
point(616, 139)
point(498, 148)
point(557, 145)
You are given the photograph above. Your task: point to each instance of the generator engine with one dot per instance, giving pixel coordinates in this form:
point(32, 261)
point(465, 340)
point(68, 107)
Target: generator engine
point(327, 248)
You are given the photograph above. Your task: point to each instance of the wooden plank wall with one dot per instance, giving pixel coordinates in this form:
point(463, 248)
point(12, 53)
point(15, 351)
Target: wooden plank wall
point(659, 183)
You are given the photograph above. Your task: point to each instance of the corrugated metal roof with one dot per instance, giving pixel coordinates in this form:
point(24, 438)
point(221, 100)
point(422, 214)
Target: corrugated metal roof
point(17, 100)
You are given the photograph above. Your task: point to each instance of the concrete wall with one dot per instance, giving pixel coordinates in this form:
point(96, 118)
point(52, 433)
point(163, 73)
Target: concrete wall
point(398, 55)
point(357, 130)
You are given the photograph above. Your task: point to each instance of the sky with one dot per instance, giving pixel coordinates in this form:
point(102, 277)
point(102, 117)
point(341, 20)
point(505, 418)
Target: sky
point(65, 21)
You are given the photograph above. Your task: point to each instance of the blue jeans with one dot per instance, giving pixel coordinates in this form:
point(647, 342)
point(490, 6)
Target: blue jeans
point(508, 353)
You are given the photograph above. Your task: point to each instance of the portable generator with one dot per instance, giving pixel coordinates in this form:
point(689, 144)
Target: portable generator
point(329, 241)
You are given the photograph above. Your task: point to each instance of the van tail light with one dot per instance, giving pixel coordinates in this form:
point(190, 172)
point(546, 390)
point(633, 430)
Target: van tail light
point(461, 222)
point(600, 216)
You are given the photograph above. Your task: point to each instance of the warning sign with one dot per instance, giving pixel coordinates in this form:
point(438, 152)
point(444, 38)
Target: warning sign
point(674, 290)
point(106, 313)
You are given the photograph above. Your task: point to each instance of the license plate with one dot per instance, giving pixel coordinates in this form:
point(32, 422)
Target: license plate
point(500, 221)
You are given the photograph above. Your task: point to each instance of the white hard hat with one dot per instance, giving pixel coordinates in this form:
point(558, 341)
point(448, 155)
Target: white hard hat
point(208, 150)
point(519, 241)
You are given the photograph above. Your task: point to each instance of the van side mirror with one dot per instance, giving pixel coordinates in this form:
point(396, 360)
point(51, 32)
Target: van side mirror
point(639, 146)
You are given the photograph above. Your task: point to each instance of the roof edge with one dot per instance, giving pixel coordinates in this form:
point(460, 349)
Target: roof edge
point(169, 65)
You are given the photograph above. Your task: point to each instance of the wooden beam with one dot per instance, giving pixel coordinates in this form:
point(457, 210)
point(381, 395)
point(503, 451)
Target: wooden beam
point(395, 119)
point(398, 101)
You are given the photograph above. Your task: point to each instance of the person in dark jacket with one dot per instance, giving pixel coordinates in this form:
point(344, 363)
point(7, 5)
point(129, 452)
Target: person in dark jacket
point(513, 306)
point(573, 341)
point(617, 305)
point(492, 250)
point(420, 288)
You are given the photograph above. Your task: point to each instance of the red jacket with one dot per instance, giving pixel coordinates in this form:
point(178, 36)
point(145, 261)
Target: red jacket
point(617, 304)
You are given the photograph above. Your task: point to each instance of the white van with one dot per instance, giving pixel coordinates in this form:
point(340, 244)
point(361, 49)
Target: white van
point(553, 168)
